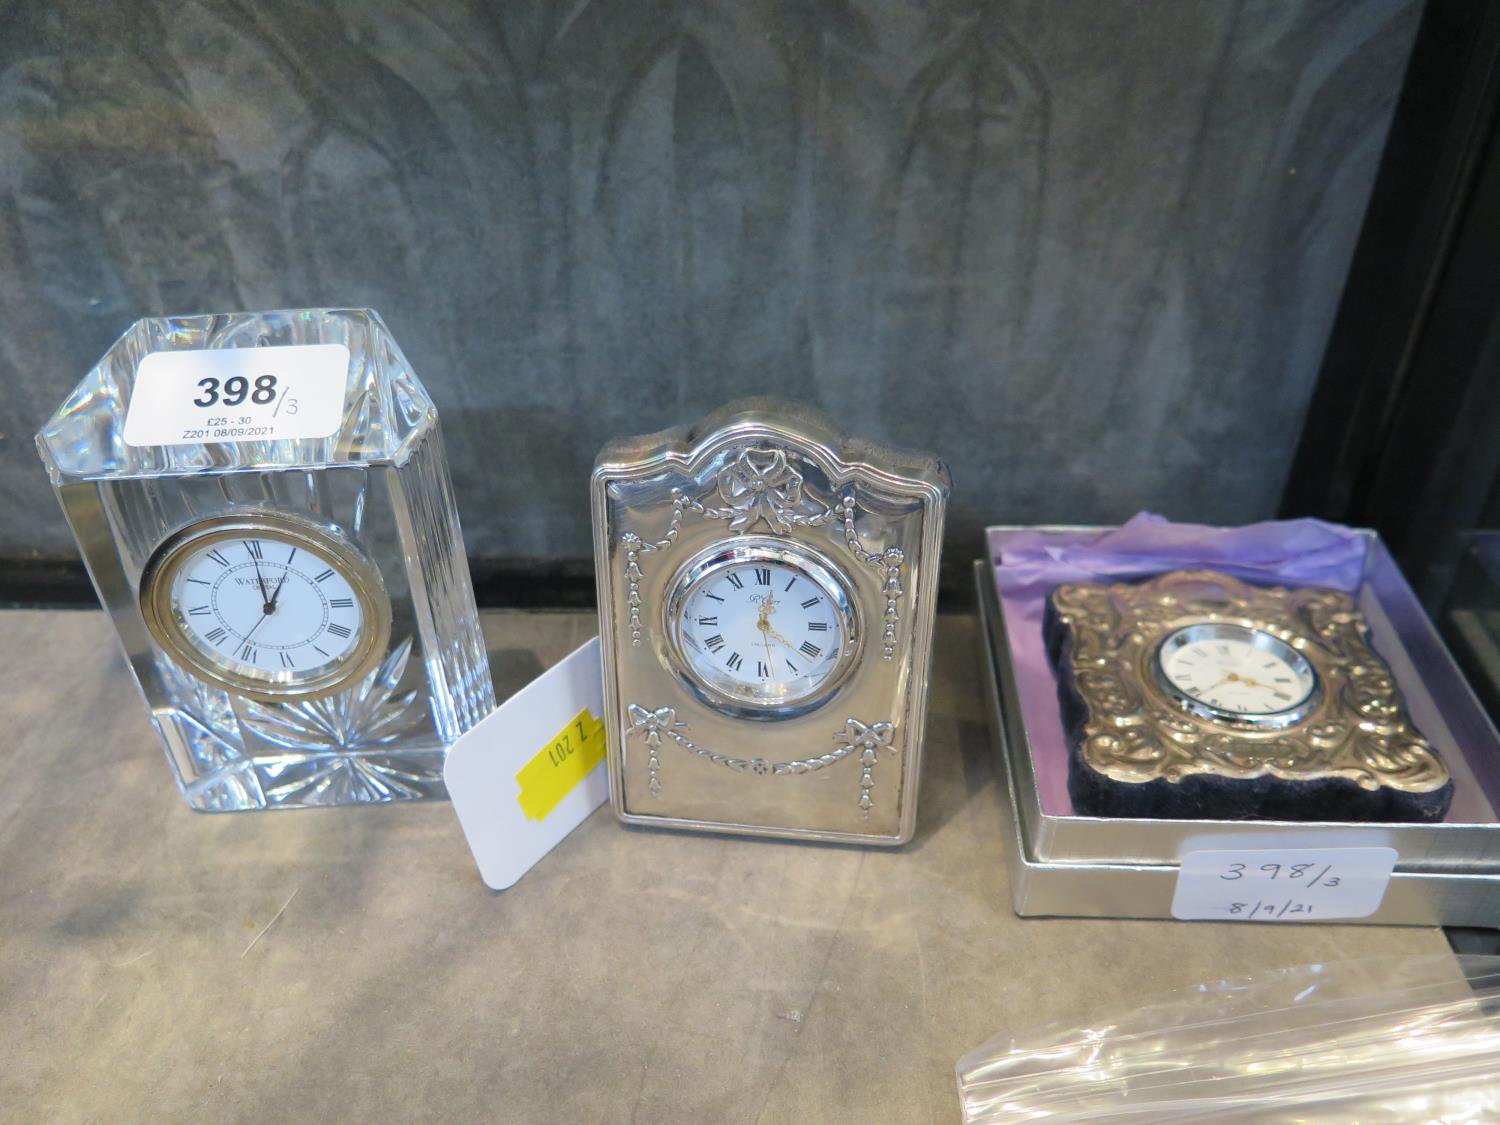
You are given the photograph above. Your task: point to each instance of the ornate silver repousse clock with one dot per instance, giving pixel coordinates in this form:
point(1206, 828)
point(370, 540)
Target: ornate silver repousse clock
point(1193, 694)
point(263, 503)
point(766, 592)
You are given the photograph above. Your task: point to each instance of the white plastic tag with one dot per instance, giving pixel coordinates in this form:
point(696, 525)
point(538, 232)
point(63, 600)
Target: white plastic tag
point(277, 393)
point(533, 769)
point(1282, 884)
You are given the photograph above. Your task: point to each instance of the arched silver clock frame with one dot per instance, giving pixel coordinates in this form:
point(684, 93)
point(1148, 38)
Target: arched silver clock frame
point(776, 481)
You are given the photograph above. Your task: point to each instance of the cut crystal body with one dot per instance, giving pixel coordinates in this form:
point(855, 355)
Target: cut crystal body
point(380, 482)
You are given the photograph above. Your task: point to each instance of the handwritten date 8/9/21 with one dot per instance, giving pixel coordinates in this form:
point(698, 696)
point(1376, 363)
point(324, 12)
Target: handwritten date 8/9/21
point(1263, 909)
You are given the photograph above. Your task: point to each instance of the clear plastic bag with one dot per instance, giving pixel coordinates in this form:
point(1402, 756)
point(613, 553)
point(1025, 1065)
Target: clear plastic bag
point(1369, 1041)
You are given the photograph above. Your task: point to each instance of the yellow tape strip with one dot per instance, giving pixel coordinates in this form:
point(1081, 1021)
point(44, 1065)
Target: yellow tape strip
point(560, 765)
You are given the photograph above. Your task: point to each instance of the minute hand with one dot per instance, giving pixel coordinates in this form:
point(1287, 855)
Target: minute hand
point(766, 640)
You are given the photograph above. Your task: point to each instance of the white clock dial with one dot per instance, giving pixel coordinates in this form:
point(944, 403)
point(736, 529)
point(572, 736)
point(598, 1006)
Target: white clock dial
point(264, 607)
point(762, 627)
point(1236, 672)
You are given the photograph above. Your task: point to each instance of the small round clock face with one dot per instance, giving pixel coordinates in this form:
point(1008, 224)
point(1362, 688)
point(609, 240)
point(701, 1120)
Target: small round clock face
point(763, 628)
point(1234, 672)
point(267, 607)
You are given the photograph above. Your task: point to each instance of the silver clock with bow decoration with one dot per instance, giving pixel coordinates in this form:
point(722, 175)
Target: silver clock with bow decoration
point(766, 592)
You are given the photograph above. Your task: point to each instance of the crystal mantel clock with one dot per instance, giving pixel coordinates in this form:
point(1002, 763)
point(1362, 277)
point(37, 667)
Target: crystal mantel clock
point(264, 506)
point(766, 589)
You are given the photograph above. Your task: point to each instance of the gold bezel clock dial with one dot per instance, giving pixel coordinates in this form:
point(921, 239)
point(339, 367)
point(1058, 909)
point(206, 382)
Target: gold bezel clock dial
point(267, 606)
point(761, 629)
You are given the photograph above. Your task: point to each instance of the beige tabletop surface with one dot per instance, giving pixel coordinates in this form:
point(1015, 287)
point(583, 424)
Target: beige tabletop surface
point(632, 976)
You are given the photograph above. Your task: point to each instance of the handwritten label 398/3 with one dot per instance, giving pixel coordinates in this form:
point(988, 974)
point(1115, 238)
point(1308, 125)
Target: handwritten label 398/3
point(1282, 884)
point(277, 393)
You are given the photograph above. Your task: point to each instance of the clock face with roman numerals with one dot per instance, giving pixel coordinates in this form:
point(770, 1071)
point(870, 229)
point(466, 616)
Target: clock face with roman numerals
point(265, 606)
point(1234, 673)
point(761, 629)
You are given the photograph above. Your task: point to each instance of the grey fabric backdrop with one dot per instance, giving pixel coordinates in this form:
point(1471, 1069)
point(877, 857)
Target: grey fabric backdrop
point(1089, 252)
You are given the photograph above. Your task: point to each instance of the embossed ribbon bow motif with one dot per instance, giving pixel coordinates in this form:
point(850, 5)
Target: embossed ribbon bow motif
point(761, 485)
point(651, 724)
point(868, 741)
